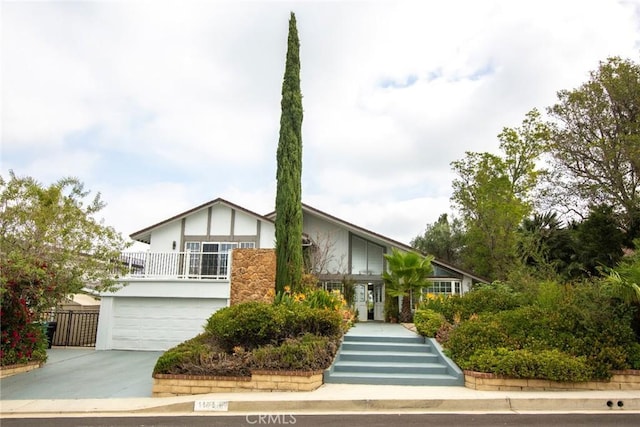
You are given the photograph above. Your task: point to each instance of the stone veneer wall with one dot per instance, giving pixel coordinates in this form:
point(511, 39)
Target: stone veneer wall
point(620, 380)
point(7, 371)
point(166, 385)
point(253, 275)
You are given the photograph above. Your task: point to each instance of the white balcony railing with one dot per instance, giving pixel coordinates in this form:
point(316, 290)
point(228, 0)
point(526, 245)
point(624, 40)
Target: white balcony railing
point(176, 265)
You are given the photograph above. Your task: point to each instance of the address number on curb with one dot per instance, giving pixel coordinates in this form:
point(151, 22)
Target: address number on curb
point(211, 405)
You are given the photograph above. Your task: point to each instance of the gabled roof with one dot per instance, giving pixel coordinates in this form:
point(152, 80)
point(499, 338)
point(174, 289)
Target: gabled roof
point(379, 237)
point(144, 235)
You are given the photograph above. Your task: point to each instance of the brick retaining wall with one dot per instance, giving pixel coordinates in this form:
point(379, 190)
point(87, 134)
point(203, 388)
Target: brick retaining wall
point(620, 380)
point(7, 371)
point(165, 385)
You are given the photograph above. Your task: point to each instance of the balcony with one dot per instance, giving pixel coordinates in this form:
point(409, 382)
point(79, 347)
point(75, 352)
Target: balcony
point(187, 265)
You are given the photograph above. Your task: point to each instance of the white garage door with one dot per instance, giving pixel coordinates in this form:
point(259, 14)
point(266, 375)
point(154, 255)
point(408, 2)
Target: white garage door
point(159, 323)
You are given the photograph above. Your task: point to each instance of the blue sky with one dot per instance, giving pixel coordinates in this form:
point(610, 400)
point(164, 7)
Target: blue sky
point(163, 105)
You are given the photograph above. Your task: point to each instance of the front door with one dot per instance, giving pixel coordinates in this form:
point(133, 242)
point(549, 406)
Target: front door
point(369, 301)
point(361, 300)
point(378, 302)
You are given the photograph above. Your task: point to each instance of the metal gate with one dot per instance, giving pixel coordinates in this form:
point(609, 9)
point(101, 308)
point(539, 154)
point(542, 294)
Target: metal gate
point(74, 328)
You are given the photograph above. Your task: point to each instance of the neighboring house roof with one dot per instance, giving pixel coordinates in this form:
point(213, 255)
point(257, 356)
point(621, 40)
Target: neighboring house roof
point(144, 235)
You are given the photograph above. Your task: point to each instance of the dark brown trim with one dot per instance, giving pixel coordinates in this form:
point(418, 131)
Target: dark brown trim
point(141, 234)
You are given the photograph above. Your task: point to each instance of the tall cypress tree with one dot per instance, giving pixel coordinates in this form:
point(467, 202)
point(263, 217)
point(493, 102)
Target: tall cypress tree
point(289, 171)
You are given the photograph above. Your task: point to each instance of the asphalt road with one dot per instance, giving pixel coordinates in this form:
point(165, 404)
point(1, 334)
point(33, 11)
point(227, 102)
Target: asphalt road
point(361, 420)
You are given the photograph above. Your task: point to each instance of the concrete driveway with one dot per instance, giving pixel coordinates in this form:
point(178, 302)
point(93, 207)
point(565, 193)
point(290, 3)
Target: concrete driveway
point(79, 373)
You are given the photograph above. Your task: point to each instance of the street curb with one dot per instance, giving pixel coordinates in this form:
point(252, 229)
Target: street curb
point(186, 405)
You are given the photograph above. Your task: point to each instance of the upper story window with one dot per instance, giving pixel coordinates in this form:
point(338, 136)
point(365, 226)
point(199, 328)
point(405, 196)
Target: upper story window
point(366, 257)
point(211, 258)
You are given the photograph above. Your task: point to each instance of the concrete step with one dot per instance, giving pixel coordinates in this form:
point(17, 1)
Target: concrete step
point(387, 356)
point(390, 367)
point(392, 360)
point(359, 338)
point(393, 379)
point(386, 346)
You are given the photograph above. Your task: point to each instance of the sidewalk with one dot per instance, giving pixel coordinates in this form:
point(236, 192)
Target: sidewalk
point(338, 398)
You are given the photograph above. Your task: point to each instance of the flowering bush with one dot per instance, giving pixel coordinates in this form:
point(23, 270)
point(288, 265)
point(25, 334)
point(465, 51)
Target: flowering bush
point(22, 337)
point(318, 299)
point(51, 244)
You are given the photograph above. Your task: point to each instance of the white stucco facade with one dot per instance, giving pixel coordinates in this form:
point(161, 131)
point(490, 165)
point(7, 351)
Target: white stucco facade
point(157, 314)
point(184, 276)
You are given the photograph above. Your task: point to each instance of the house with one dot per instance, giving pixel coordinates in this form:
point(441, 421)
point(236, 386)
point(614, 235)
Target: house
point(184, 276)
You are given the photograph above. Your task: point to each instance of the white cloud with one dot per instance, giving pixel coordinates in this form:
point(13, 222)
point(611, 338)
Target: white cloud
point(165, 105)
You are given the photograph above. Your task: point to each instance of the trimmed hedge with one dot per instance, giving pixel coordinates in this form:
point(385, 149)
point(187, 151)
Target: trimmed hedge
point(256, 324)
point(551, 365)
point(248, 325)
point(480, 333)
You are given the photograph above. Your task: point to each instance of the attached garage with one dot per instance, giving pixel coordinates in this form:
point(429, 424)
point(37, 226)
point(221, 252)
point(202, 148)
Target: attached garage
point(130, 321)
point(158, 323)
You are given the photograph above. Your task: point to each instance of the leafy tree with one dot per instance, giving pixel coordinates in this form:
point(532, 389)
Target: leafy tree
point(495, 193)
point(51, 245)
point(442, 239)
point(289, 259)
point(407, 272)
point(573, 252)
point(596, 142)
point(546, 245)
point(598, 240)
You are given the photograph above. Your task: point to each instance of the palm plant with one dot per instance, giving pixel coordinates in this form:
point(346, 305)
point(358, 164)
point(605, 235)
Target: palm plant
point(407, 271)
point(623, 281)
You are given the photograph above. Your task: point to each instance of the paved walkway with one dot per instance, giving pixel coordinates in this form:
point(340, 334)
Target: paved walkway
point(84, 373)
point(382, 329)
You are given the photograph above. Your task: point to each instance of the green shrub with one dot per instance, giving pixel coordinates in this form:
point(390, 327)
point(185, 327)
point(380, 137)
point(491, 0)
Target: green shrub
point(172, 360)
point(488, 298)
point(303, 319)
point(391, 309)
point(633, 355)
point(549, 295)
point(588, 322)
point(608, 359)
point(248, 325)
point(528, 327)
point(485, 298)
point(480, 333)
point(254, 324)
point(448, 306)
point(553, 365)
point(428, 322)
point(308, 352)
